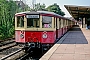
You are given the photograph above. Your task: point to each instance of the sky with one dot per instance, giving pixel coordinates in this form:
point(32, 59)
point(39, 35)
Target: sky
point(61, 3)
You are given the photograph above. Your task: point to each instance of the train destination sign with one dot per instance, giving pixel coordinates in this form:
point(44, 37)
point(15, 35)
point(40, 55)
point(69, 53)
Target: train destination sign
point(32, 16)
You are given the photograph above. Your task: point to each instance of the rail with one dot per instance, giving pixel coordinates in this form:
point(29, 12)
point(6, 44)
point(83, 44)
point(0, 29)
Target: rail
point(5, 57)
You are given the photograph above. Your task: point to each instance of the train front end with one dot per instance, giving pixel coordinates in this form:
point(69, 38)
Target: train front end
point(35, 30)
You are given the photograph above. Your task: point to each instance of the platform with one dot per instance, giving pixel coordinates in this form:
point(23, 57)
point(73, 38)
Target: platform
point(74, 45)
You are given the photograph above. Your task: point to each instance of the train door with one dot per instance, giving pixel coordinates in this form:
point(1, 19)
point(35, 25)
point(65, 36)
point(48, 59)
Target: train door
point(55, 25)
point(62, 25)
point(60, 29)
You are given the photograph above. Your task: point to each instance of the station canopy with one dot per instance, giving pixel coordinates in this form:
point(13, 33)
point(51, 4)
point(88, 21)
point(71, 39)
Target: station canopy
point(78, 11)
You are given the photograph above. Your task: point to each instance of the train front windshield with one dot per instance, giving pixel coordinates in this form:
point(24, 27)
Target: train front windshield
point(33, 21)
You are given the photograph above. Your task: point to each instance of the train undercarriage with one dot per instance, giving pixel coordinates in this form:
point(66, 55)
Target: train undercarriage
point(35, 47)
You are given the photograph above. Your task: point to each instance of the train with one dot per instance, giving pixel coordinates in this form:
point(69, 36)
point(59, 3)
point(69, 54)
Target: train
point(40, 29)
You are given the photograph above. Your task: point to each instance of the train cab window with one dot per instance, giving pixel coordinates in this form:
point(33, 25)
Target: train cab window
point(20, 21)
point(46, 22)
point(31, 22)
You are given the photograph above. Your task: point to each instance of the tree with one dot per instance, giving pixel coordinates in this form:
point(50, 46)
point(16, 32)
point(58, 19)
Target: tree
point(56, 9)
point(7, 11)
point(39, 6)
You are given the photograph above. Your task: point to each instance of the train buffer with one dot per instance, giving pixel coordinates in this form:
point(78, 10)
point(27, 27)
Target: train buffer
point(74, 45)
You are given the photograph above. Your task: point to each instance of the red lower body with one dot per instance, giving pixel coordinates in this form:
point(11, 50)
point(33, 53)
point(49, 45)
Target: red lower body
point(36, 36)
point(45, 37)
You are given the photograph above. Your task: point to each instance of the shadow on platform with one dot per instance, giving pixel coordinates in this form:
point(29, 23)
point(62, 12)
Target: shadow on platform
point(75, 28)
point(74, 36)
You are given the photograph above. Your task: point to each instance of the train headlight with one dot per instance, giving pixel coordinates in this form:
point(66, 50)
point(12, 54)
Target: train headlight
point(21, 36)
point(44, 36)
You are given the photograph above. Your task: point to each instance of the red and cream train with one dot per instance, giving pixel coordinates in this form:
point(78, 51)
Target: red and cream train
point(40, 29)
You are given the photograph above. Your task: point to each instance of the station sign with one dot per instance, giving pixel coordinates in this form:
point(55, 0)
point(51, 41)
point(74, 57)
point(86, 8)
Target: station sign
point(32, 16)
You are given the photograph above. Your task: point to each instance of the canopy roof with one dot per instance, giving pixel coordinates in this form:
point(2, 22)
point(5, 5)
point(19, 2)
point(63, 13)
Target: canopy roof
point(78, 11)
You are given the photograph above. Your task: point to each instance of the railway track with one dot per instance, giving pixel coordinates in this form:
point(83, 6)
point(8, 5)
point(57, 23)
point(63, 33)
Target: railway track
point(6, 42)
point(32, 56)
point(9, 48)
point(9, 52)
point(14, 55)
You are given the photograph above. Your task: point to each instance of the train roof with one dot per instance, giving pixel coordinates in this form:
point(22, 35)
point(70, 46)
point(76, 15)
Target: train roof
point(36, 12)
point(41, 12)
point(27, 12)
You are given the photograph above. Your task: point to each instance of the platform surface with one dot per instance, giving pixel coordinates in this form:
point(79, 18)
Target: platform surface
point(74, 45)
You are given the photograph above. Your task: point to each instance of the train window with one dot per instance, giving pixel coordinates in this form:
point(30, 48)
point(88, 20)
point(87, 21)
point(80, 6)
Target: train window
point(33, 22)
point(46, 22)
point(62, 23)
point(59, 23)
point(20, 21)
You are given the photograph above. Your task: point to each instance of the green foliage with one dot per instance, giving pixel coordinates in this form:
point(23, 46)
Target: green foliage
point(39, 6)
point(7, 11)
point(52, 8)
point(8, 8)
point(56, 9)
